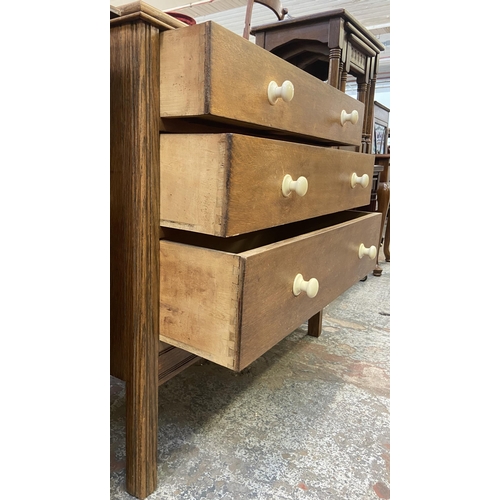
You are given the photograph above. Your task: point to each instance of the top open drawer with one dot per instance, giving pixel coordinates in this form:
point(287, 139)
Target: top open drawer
point(208, 72)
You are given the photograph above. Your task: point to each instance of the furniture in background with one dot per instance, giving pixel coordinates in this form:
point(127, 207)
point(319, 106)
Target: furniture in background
point(330, 46)
point(225, 191)
point(383, 206)
point(380, 143)
point(382, 159)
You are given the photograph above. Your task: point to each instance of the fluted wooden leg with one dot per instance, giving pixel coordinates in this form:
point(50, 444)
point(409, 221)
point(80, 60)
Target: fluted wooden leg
point(135, 188)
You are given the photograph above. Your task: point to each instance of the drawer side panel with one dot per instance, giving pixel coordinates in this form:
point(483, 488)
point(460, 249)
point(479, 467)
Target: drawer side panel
point(193, 173)
point(199, 301)
point(270, 309)
point(183, 72)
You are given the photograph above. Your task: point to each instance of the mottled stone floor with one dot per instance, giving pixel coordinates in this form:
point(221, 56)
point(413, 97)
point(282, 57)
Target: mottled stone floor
point(309, 419)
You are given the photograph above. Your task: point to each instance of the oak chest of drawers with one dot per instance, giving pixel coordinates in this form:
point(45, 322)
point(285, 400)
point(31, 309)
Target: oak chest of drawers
point(231, 220)
point(250, 216)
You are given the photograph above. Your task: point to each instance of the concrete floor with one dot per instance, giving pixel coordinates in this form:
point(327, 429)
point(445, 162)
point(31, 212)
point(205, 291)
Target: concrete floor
point(309, 419)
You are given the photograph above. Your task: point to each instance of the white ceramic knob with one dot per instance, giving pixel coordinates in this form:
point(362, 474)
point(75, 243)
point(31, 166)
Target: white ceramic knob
point(274, 92)
point(311, 287)
point(371, 252)
point(363, 180)
point(299, 186)
point(349, 117)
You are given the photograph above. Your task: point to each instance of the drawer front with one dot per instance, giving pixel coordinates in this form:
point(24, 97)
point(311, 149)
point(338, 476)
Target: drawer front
point(209, 72)
point(232, 176)
point(231, 308)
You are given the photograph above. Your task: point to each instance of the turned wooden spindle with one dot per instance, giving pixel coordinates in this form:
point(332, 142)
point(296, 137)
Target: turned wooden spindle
point(334, 67)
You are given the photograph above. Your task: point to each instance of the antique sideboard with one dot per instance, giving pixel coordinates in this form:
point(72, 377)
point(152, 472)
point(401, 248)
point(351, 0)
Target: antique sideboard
point(231, 207)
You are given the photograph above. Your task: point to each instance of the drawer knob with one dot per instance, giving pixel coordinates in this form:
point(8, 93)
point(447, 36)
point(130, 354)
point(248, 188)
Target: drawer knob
point(371, 252)
point(311, 287)
point(349, 117)
point(274, 92)
point(299, 186)
point(363, 180)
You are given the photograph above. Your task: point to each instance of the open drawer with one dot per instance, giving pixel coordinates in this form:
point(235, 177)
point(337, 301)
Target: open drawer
point(233, 175)
point(211, 74)
point(230, 300)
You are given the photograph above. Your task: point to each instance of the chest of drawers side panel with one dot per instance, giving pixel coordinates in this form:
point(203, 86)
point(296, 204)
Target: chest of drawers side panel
point(200, 292)
point(270, 309)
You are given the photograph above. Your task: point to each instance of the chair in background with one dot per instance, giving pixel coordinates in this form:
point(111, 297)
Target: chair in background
point(274, 5)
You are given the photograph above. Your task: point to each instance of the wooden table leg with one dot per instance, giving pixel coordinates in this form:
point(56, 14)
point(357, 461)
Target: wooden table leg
point(315, 325)
point(383, 205)
point(135, 189)
point(387, 237)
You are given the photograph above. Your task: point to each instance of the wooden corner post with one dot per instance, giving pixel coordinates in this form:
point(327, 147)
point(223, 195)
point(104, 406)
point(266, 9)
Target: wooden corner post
point(134, 233)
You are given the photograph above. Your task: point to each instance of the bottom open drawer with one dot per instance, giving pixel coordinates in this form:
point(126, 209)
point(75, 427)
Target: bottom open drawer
point(230, 300)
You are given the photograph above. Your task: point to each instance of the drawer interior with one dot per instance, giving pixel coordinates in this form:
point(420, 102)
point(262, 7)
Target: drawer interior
point(249, 241)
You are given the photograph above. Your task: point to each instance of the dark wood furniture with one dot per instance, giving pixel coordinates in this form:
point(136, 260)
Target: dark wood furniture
point(330, 46)
point(380, 142)
point(191, 107)
point(381, 134)
point(383, 207)
point(274, 5)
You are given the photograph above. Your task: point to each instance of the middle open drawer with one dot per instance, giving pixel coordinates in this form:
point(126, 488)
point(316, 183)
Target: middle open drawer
point(236, 183)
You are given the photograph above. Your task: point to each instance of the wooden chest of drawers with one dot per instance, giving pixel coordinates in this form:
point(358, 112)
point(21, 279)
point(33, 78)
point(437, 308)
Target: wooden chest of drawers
point(232, 227)
point(230, 298)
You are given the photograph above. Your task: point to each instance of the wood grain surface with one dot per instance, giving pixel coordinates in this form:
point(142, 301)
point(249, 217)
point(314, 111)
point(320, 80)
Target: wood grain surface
point(208, 71)
point(134, 235)
point(234, 175)
point(270, 310)
point(230, 308)
point(199, 301)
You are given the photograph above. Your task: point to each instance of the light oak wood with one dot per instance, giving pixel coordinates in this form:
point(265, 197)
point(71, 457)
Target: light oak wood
point(200, 291)
point(208, 71)
point(231, 308)
point(233, 175)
